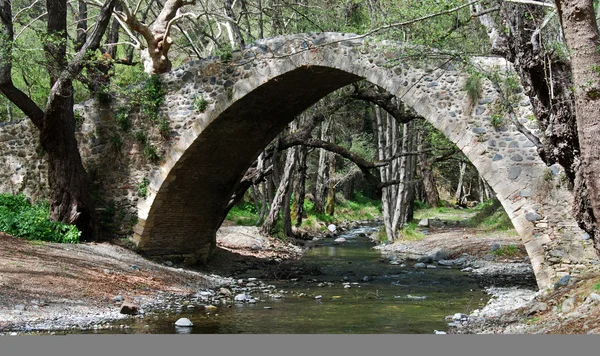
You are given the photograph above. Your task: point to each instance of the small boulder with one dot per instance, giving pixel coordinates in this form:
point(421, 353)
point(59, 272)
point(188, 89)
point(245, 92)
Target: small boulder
point(331, 227)
point(595, 297)
point(425, 259)
point(562, 282)
point(240, 297)
point(537, 307)
point(420, 265)
point(424, 222)
point(117, 298)
point(440, 255)
point(129, 308)
point(184, 322)
point(568, 305)
point(226, 292)
point(339, 240)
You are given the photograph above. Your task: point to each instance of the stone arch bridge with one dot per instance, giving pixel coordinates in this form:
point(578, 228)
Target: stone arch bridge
point(255, 95)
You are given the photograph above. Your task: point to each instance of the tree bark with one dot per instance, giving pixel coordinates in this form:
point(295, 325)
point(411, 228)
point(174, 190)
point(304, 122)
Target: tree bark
point(299, 187)
point(70, 199)
point(322, 172)
point(578, 21)
point(268, 227)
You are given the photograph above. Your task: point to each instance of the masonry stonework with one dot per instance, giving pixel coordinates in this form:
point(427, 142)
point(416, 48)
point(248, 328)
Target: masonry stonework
point(252, 98)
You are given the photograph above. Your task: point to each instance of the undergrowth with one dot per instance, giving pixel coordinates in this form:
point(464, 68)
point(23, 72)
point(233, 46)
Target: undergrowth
point(20, 218)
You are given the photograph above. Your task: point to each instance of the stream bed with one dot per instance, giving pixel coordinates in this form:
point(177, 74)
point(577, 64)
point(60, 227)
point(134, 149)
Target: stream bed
point(351, 288)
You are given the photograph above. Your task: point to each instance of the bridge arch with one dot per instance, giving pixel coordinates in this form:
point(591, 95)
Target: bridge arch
point(253, 97)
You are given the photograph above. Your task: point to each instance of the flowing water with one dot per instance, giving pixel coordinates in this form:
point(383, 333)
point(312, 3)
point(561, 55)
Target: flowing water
point(382, 298)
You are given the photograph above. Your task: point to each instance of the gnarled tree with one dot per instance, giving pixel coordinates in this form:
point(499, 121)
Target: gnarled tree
point(70, 201)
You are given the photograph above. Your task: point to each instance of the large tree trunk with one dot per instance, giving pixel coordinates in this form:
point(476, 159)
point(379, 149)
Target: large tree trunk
point(583, 39)
point(67, 178)
point(70, 200)
point(547, 81)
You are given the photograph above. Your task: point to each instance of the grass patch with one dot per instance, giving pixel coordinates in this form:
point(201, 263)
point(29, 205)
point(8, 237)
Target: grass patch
point(507, 251)
point(490, 216)
point(597, 287)
point(410, 233)
point(243, 214)
point(20, 218)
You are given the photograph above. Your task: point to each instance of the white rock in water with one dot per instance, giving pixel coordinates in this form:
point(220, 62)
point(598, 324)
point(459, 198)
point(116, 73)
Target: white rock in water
point(332, 227)
point(339, 240)
point(184, 322)
point(439, 332)
point(240, 298)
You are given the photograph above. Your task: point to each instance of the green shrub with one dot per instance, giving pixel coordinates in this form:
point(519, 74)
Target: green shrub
point(143, 187)
point(20, 218)
point(123, 120)
point(164, 129)
point(200, 104)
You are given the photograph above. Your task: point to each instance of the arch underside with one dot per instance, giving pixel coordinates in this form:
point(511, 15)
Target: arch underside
point(192, 189)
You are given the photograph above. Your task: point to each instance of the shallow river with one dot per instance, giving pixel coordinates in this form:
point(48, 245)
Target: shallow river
point(391, 299)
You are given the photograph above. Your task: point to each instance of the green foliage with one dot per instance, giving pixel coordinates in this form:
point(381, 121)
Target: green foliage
point(490, 216)
point(243, 214)
point(507, 251)
point(20, 218)
point(409, 232)
point(143, 188)
point(496, 120)
point(152, 97)
point(597, 287)
point(473, 86)
point(123, 120)
point(78, 119)
point(141, 137)
point(200, 104)
point(225, 52)
point(151, 153)
point(382, 235)
point(116, 142)
point(164, 129)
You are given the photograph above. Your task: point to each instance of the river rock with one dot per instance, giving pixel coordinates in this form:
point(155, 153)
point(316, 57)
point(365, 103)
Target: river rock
point(339, 240)
point(129, 308)
point(568, 305)
point(594, 297)
point(184, 322)
point(431, 266)
point(424, 222)
point(331, 227)
point(420, 265)
point(537, 307)
point(240, 297)
point(562, 282)
point(440, 255)
point(226, 292)
point(425, 259)
point(117, 298)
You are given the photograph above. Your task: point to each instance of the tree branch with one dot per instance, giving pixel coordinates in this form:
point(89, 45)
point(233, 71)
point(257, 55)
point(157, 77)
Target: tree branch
point(16, 96)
